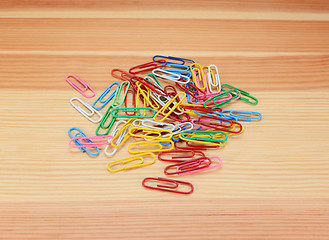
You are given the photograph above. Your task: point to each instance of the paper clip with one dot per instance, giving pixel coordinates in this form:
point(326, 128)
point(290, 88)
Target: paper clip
point(168, 185)
point(166, 106)
point(116, 102)
point(84, 113)
point(82, 134)
point(120, 138)
point(228, 128)
point(183, 155)
point(179, 61)
point(182, 127)
point(192, 166)
point(170, 76)
point(103, 121)
point(146, 123)
point(244, 115)
point(176, 67)
point(211, 136)
point(145, 95)
point(88, 143)
point(151, 85)
point(244, 93)
point(198, 75)
point(151, 133)
point(190, 146)
point(222, 102)
point(114, 140)
point(140, 163)
point(115, 112)
point(100, 98)
point(150, 144)
point(148, 66)
point(133, 100)
point(125, 76)
point(78, 88)
point(185, 73)
point(213, 79)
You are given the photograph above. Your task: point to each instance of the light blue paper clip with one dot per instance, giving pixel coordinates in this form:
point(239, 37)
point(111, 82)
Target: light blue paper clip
point(100, 98)
point(175, 66)
point(244, 115)
point(82, 134)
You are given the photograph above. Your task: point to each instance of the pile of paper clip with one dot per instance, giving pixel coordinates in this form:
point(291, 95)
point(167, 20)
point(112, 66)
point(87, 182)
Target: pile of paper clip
point(183, 112)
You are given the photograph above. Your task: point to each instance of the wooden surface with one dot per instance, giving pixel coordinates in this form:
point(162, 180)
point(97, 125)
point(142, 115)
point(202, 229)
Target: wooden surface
point(274, 181)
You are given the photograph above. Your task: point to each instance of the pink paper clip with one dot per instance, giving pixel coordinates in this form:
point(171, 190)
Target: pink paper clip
point(90, 144)
point(85, 88)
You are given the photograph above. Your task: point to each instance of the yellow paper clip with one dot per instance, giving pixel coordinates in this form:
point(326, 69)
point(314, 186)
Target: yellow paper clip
point(139, 99)
point(140, 163)
point(146, 95)
point(197, 79)
point(166, 106)
point(151, 133)
point(159, 143)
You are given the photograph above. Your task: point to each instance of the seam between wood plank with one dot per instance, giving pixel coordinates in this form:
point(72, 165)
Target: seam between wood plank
point(151, 53)
point(165, 14)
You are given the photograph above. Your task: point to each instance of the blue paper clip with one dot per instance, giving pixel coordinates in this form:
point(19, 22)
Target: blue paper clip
point(100, 98)
point(168, 57)
point(175, 66)
point(184, 59)
point(225, 116)
point(243, 115)
point(82, 134)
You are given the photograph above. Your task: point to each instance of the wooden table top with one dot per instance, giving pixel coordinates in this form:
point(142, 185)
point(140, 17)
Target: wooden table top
point(274, 181)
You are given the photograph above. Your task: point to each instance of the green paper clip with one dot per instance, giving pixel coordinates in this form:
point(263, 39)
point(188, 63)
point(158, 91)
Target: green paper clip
point(115, 111)
point(153, 77)
point(204, 135)
point(243, 93)
point(214, 98)
point(116, 102)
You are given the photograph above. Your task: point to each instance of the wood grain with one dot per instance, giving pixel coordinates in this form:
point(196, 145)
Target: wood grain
point(274, 181)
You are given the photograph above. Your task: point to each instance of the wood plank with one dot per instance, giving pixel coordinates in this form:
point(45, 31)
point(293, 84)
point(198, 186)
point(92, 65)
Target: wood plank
point(153, 35)
point(284, 155)
point(166, 219)
point(317, 6)
point(281, 73)
point(274, 181)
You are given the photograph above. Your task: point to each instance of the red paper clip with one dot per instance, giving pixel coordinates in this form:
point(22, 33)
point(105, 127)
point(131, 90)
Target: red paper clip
point(188, 166)
point(193, 166)
point(220, 127)
point(171, 185)
point(148, 66)
point(201, 109)
point(194, 146)
point(187, 155)
point(122, 75)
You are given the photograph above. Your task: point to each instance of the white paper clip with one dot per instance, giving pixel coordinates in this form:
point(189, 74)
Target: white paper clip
point(114, 131)
point(146, 123)
point(213, 79)
point(170, 76)
point(84, 113)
